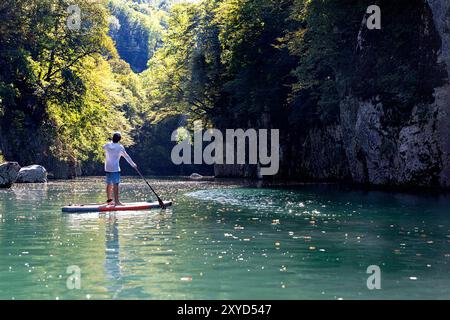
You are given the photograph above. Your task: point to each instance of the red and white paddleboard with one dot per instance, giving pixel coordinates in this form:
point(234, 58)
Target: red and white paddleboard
point(138, 206)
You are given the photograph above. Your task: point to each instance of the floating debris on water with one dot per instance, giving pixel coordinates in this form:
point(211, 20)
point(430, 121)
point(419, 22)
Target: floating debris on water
point(186, 279)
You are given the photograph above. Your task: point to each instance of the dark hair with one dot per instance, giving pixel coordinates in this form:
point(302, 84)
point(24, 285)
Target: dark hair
point(116, 137)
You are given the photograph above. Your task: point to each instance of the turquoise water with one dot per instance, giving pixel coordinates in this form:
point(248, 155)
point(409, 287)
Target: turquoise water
point(224, 240)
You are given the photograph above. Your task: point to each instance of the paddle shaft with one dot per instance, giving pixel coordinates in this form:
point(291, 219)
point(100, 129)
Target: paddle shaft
point(161, 203)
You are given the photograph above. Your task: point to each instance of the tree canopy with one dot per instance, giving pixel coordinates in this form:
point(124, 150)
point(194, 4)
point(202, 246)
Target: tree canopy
point(145, 67)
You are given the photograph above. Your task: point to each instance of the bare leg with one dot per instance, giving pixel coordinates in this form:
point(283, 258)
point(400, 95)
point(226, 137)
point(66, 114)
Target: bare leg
point(116, 195)
point(109, 191)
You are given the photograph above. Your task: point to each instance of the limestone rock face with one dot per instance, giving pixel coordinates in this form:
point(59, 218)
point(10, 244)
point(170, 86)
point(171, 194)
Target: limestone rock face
point(441, 18)
point(379, 139)
point(323, 157)
point(8, 174)
point(32, 174)
point(415, 151)
point(235, 171)
point(368, 145)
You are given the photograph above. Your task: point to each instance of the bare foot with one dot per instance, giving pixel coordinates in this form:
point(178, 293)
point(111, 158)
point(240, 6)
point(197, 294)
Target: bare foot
point(118, 204)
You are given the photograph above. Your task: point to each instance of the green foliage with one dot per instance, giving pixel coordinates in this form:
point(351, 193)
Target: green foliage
point(336, 52)
point(320, 43)
point(172, 82)
point(84, 124)
point(222, 61)
point(232, 63)
point(256, 61)
point(137, 31)
point(61, 99)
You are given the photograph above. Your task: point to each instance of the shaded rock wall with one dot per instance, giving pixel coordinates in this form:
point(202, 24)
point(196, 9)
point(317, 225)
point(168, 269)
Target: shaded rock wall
point(416, 151)
point(366, 146)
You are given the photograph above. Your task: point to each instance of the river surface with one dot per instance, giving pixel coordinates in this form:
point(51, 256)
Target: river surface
point(223, 240)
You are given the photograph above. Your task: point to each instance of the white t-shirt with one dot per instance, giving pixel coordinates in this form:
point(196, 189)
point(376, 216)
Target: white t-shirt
point(114, 151)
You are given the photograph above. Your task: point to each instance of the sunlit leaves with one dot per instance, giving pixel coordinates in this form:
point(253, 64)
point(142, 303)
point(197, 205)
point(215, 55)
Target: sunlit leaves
point(59, 85)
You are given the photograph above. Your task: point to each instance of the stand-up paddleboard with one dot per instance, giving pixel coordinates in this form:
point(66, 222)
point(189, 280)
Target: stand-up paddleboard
point(89, 208)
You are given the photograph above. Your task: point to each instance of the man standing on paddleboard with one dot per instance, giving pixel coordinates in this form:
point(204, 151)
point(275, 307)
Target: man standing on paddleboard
point(114, 151)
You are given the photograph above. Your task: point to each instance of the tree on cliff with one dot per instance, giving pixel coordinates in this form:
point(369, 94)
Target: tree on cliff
point(61, 88)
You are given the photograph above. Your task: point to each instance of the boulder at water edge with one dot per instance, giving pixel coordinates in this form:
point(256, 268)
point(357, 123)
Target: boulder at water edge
point(8, 174)
point(196, 176)
point(32, 174)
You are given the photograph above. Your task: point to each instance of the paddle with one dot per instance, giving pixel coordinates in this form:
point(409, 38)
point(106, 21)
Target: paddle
point(161, 203)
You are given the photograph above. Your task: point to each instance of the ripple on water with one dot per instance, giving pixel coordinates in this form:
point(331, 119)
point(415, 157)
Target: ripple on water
point(223, 241)
point(265, 201)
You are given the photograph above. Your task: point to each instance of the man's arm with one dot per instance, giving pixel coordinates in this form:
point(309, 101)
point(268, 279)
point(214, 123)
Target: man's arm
point(128, 158)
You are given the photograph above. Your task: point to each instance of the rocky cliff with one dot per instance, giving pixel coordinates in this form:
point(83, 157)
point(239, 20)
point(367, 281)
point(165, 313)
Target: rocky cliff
point(400, 139)
point(414, 151)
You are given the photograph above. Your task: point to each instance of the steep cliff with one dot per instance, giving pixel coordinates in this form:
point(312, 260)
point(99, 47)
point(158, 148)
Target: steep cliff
point(414, 149)
point(393, 113)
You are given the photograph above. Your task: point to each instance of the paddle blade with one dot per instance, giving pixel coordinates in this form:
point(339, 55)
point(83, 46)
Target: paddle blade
point(161, 204)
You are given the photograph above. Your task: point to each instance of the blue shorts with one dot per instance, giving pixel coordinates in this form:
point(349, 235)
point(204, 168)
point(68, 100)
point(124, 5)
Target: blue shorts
point(112, 177)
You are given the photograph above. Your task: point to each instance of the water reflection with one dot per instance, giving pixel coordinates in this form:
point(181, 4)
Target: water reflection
point(112, 259)
point(31, 192)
